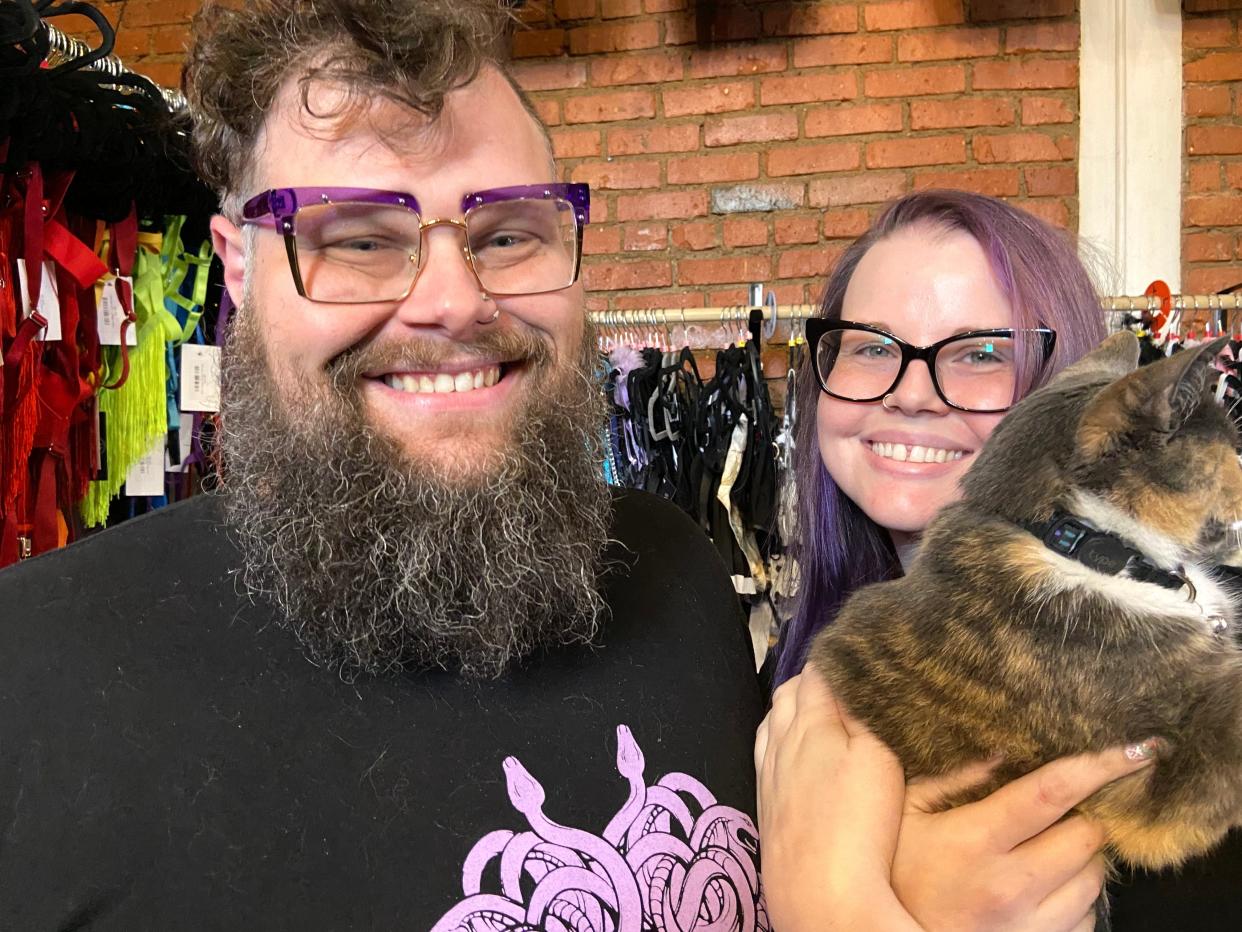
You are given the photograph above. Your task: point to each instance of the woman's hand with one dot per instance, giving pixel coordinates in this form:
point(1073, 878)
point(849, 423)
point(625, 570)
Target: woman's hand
point(1009, 861)
point(830, 807)
point(846, 846)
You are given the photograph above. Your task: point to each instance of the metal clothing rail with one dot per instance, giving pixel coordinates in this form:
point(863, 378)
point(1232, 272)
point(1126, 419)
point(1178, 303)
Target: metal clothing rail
point(662, 316)
point(69, 48)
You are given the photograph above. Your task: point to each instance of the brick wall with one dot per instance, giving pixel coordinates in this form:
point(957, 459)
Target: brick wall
point(752, 142)
point(1212, 186)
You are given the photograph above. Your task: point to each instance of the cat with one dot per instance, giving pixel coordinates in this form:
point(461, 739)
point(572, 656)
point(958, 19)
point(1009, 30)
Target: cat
point(998, 644)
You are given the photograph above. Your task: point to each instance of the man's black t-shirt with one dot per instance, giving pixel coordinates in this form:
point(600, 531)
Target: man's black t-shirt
point(169, 759)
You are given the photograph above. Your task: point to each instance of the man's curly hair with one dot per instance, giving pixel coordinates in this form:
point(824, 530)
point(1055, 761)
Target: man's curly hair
point(412, 52)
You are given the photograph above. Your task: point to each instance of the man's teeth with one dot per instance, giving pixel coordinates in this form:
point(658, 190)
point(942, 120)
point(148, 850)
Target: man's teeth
point(442, 383)
point(915, 454)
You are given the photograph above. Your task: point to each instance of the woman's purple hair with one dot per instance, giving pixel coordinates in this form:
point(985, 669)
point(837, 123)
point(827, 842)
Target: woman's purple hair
point(1038, 270)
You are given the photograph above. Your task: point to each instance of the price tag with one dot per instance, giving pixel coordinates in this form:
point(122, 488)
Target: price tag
point(49, 300)
point(146, 477)
point(200, 377)
point(111, 315)
point(185, 437)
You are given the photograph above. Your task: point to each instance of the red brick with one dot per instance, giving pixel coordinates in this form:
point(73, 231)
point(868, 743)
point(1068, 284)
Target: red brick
point(998, 182)
point(739, 231)
point(912, 82)
point(730, 269)
point(1016, 147)
point(1214, 140)
point(850, 121)
point(665, 205)
point(727, 24)
point(796, 230)
point(925, 150)
point(1042, 37)
point(861, 49)
point(1210, 279)
point(815, 262)
point(965, 111)
point(911, 14)
point(164, 73)
point(575, 144)
point(671, 299)
point(1203, 176)
point(1038, 111)
point(867, 188)
point(760, 127)
point(1206, 100)
point(613, 276)
point(1051, 182)
point(139, 14)
point(800, 89)
point(615, 9)
point(549, 111)
point(550, 75)
point(657, 138)
point(982, 11)
point(619, 175)
point(1050, 210)
point(130, 44)
point(537, 43)
point(1233, 174)
point(574, 9)
point(846, 223)
point(1215, 66)
point(664, 6)
point(1034, 73)
point(941, 44)
point(644, 237)
point(1208, 247)
point(738, 60)
point(708, 169)
point(696, 236)
point(600, 239)
point(614, 37)
point(1213, 210)
point(709, 98)
point(809, 19)
point(644, 68)
point(603, 108)
point(1214, 33)
point(165, 40)
point(809, 160)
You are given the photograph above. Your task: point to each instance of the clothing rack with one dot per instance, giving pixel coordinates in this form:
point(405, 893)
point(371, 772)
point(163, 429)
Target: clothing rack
point(676, 316)
point(63, 47)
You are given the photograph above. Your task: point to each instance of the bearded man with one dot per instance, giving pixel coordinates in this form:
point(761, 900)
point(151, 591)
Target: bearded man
point(413, 665)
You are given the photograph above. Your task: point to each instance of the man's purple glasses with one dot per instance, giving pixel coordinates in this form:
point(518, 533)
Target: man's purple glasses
point(361, 245)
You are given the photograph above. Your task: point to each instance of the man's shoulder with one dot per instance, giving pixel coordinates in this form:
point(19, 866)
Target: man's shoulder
point(641, 520)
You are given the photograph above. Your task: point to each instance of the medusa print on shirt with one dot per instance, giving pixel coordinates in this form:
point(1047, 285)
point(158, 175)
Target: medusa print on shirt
point(670, 860)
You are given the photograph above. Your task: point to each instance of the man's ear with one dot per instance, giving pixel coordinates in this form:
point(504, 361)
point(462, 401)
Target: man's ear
point(229, 243)
point(1156, 399)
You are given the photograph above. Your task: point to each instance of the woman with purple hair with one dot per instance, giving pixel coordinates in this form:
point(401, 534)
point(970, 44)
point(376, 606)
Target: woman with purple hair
point(950, 308)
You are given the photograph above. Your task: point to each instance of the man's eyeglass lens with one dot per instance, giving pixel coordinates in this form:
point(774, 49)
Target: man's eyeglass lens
point(977, 373)
point(350, 252)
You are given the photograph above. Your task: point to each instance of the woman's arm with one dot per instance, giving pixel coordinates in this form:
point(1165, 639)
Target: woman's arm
point(845, 845)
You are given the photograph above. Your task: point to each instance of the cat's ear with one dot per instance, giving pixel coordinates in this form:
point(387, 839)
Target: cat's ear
point(1112, 359)
point(1155, 399)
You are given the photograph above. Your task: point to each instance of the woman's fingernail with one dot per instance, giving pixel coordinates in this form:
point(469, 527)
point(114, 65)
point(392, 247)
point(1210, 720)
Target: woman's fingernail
point(1143, 750)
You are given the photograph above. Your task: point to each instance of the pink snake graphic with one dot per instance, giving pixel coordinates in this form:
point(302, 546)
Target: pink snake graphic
point(671, 860)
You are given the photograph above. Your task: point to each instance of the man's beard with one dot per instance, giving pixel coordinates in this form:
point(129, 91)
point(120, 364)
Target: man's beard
point(381, 563)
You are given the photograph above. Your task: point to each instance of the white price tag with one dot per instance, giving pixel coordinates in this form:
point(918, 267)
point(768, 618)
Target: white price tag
point(146, 477)
point(185, 437)
point(200, 377)
point(49, 300)
point(111, 314)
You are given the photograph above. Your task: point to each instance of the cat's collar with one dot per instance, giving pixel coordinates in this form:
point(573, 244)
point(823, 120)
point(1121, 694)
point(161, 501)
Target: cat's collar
point(1078, 539)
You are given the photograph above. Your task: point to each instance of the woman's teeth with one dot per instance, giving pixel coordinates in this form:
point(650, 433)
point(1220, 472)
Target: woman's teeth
point(442, 383)
point(915, 454)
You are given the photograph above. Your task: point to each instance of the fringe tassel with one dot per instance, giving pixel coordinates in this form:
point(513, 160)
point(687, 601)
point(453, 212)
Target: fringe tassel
point(22, 420)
